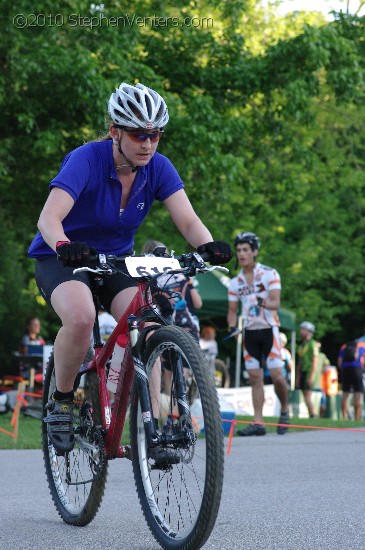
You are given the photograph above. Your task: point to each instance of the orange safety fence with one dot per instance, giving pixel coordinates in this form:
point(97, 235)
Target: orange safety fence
point(14, 421)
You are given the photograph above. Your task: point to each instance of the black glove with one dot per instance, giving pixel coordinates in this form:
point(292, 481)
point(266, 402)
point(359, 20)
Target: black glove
point(218, 252)
point(73, 254)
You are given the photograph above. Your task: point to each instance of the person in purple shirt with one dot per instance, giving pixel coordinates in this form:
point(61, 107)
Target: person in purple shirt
point(97, 201)
point(350, 361)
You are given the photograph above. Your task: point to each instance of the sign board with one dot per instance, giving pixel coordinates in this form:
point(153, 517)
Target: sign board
point(240, 400)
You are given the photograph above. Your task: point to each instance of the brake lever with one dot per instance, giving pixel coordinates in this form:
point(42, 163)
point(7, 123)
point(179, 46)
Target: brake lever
point(213, 268)
point(105, 270)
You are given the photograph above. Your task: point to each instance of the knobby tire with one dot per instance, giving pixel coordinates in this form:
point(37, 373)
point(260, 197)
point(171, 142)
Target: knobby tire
point(181, 503)
point(78, 500)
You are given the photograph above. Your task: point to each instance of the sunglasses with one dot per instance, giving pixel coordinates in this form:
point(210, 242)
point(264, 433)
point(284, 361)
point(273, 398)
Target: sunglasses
point(139, 136)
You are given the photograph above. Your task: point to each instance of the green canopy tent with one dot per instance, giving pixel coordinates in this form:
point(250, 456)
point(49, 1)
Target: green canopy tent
point(213, 290)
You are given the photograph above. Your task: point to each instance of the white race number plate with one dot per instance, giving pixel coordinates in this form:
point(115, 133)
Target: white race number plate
point(149, 265)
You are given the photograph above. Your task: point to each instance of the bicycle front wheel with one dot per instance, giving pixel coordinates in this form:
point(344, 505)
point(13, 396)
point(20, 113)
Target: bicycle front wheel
point(180, 499)
point(77, 479)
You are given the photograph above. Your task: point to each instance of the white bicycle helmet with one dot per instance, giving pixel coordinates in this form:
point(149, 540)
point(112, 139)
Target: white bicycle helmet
point(137, 107)
point(248, 237)
point(308, 326)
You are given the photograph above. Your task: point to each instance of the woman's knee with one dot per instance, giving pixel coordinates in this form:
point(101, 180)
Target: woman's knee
point(73, 303)
point(79, 321)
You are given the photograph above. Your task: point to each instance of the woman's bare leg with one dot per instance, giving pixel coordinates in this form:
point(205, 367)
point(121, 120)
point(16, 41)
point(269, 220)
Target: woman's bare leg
point(73, 303)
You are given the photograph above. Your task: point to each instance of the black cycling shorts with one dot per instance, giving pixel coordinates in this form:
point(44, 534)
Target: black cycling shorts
point(352, 378)
point(49, 273)
point(303, 383)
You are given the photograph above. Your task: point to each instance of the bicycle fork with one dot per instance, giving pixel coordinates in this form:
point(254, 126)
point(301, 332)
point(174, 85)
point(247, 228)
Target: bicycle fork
point(142, 383)
point(179, 393)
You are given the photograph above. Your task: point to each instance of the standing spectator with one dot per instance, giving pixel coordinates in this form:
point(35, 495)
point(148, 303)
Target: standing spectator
point(286, 357)
point(323, 364)
point(307, 364)
point(31, 337)
point(31, 368)
point(351, 363)
point(208, 344)
point(258, 288)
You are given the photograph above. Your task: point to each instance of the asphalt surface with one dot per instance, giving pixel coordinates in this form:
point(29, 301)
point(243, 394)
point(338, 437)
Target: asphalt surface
point(297, 491)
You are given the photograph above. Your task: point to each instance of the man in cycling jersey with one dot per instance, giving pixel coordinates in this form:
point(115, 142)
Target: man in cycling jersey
point(97, 201)
point(258, 288)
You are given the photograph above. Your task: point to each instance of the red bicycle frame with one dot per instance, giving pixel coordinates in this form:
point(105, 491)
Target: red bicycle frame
point(114, 417)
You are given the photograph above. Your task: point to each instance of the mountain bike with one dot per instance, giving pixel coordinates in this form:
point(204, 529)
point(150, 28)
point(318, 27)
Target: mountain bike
point(180, 499)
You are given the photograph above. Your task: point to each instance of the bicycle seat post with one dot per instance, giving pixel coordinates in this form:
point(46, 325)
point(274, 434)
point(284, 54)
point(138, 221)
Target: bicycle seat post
point(95, 283)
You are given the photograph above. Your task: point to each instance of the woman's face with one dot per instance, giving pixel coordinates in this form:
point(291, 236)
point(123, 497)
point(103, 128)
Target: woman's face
point(138, 150)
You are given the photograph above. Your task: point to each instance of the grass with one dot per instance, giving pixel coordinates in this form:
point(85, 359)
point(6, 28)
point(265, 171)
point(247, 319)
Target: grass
point(29, 436)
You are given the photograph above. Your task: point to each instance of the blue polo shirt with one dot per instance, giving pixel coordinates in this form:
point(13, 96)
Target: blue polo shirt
point(359, 355)
point(88, 175)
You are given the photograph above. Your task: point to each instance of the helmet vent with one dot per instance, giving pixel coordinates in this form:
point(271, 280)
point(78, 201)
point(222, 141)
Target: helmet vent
point(149, 107)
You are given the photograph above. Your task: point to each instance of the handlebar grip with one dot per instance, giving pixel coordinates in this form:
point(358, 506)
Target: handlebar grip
point(205, 256)
point(91, 261)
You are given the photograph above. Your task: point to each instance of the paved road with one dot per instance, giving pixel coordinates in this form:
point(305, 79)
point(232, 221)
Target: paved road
point(293, 492)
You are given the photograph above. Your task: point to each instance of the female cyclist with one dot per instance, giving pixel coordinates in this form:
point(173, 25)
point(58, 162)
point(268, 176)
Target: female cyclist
point(97, 201)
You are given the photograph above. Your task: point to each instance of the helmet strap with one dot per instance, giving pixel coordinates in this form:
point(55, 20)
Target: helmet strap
point(133, 166)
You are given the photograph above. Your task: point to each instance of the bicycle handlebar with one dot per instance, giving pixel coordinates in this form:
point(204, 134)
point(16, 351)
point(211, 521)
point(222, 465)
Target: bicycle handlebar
point(192, 263)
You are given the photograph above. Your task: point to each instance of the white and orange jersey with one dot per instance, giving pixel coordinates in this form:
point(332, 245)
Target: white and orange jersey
point(264, 279)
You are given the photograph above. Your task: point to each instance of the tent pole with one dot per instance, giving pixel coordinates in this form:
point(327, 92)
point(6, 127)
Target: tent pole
point(239, 353)
point(293, 353)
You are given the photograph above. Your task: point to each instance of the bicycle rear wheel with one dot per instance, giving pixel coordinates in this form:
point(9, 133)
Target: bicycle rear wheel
point(77, 479)
point(181, 501)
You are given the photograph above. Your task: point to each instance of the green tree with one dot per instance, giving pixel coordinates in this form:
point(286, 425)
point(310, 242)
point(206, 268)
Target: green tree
point(266, 131)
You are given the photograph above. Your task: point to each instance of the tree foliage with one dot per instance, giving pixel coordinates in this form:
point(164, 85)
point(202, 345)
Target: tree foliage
point(266, 129)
